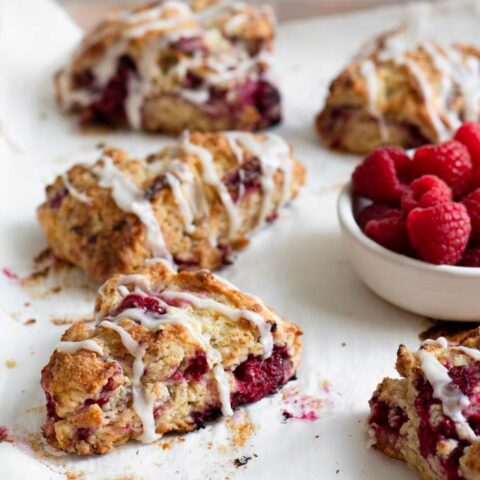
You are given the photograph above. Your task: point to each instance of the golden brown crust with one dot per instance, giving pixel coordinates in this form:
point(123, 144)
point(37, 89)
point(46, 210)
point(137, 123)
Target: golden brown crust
point(410, 423)
point(167, 66)
point(103, 239)
point(402, 113)
point(90, 395)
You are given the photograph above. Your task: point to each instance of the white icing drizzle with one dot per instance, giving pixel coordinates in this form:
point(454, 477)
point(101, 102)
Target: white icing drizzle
point(443, 343)
point(199, 97)
point(137, 279)
point(81, 197)
point(142, 398)
point(368, 70)
point(72, 347)
point(454, 402)
point(274, 154)
point(182, 202)
point(223, 389)
point(266, 338)
point(437, 123)
point(130, 198)
point(235, 23)
point(211, 178)
point(444, 68)
point(134, 102)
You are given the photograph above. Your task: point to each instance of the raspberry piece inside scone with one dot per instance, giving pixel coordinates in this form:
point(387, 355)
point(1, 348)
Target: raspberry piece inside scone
point(170, 66)
point(193, 203)
point(143, 371)
point(429, 418)
point(401, 89)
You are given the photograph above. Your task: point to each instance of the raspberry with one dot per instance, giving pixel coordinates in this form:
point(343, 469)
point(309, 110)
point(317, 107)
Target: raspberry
point(471, 258)
point(469, 135)
point(376, 211)
point(450, 161)
point(382, 175)
point(390, 232)
point(424, 192)
point(439, 234)
point(472, 203)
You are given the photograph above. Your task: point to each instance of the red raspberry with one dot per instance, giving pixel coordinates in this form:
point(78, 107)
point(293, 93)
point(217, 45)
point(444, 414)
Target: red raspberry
point(471, 258)
point(450, 161)
point(439, 234)
point(469, 135)
point(376, 211)
point(390, 232)
point(426, 191)
point(382, 174)
point(472, 203)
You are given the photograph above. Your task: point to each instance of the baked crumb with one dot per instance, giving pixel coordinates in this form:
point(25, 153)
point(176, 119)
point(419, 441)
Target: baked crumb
point(11, 363)
point(70, 321)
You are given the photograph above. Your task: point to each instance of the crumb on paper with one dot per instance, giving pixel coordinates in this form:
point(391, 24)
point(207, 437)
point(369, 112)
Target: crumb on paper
point(297, 405)
point(165, 445)
point(169, 444)
point(74, 475)
point(11, 363)
point(10, 274)
point(70, 321)
point(336, 187)
point(36, 410)
point(344, 344)
point(241, 461)
point(30, 321)
point(5, 436)
point(223, 449)
point(241, 428)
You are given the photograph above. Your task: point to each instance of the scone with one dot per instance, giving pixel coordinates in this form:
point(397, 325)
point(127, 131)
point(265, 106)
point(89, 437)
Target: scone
point(398, 91)
point(167, 66)
point(170, 351)
point(192, 203)
point(430, 418)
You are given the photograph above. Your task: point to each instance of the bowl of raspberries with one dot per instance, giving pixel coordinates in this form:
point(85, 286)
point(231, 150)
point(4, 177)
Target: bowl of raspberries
point(411, 222)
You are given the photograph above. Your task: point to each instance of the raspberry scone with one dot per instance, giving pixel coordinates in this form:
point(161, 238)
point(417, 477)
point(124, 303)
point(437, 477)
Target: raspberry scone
point(170, 351)
point(399, 91)
point(167, 66)
point(192, 203)
point(430, 418)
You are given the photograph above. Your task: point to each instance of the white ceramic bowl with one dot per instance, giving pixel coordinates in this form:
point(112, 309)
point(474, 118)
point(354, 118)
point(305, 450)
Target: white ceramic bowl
point(436, 291)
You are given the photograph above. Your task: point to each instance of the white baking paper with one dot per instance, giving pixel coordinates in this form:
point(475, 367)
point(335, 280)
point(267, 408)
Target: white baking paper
point(298, 265)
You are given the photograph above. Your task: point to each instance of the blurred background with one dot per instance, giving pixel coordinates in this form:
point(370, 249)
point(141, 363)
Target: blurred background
point(87, 12)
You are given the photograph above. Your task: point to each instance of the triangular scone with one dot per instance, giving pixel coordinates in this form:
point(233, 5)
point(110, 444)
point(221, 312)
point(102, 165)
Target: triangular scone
point(400, 91)
point(430, 418)
point(171, 65)
point(169, 352)
point(194, 202)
